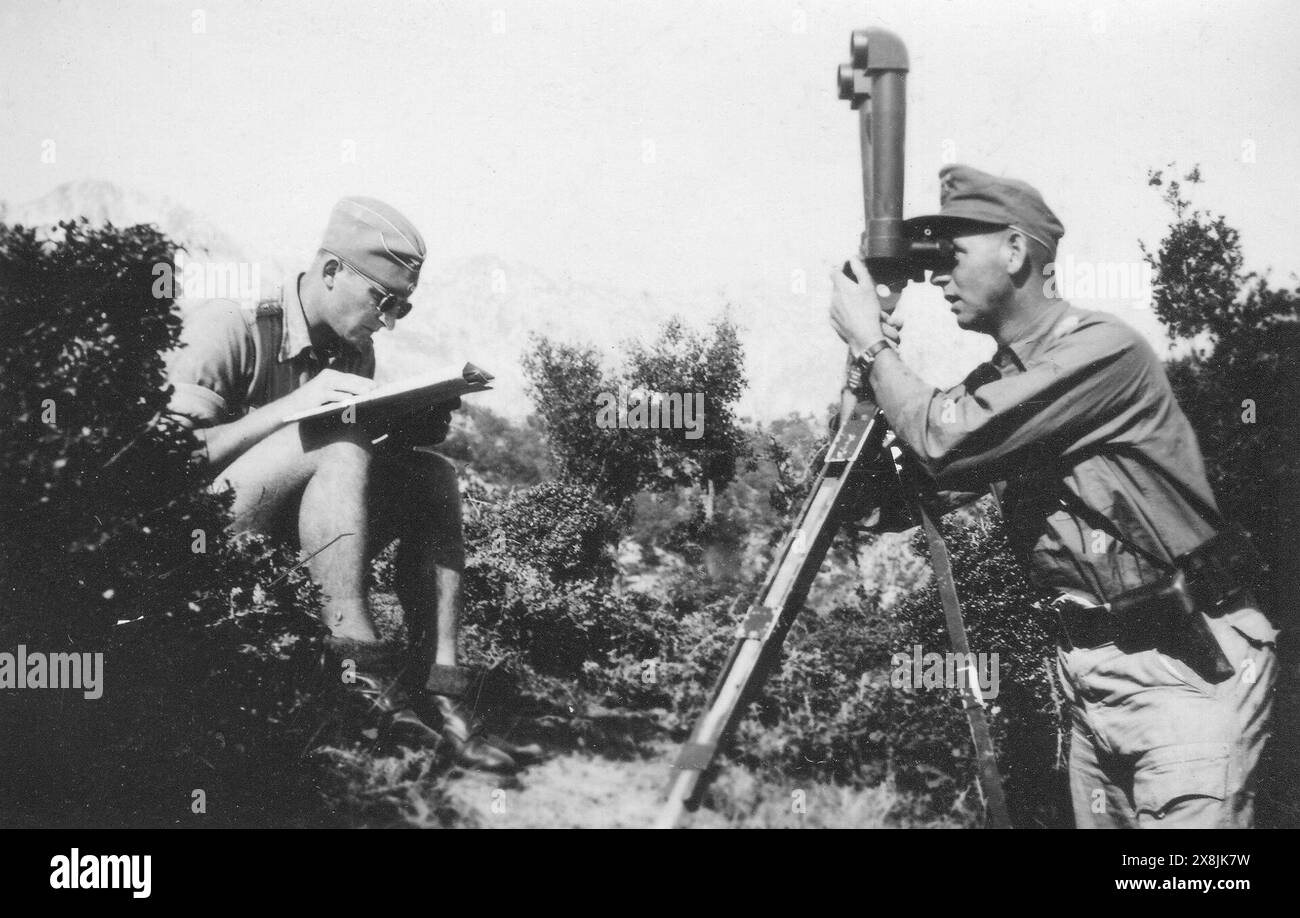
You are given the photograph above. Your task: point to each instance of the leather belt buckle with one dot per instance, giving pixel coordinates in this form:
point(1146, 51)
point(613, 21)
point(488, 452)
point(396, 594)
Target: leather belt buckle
point(1063, 623)
point(1082, 625)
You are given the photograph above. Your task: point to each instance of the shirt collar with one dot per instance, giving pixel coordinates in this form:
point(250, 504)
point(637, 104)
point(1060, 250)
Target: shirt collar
point(297, 337)
point(1033, 337)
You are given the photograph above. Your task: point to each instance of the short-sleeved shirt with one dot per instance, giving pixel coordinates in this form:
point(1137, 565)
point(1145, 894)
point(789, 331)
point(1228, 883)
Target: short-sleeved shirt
point(238, 357)
point(1080, 401)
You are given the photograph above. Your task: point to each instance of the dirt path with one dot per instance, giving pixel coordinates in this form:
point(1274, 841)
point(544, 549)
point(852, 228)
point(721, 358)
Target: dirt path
point(586, 790)
point(573, 790)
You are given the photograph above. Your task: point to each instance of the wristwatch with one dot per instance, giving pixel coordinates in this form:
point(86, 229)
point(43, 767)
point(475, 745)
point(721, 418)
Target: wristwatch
point(867, 358)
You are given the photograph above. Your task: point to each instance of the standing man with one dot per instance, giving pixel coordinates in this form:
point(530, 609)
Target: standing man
point(325, 485)
point(1101, 485)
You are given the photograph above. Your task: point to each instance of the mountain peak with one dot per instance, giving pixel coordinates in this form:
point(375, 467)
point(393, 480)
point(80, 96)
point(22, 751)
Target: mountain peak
point(100, 201)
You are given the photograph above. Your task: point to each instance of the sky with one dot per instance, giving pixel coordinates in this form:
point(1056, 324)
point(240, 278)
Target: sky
point(655, 146)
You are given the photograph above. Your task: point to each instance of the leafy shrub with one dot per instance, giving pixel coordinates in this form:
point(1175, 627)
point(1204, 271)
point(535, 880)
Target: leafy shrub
point(998, 606)
point(540, 599)
point(1239, 386)
point(567, 381)
point(114, 545)
point(831, 712)
point(559, 528)
point(505, 454)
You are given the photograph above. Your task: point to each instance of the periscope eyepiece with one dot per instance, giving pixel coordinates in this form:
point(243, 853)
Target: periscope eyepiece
point(875, 84)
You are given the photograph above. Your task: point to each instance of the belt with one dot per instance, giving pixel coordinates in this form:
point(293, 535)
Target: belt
point(1170, 614)
point(1085, 626)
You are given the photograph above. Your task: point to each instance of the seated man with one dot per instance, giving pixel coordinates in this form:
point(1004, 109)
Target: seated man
point(325, 484)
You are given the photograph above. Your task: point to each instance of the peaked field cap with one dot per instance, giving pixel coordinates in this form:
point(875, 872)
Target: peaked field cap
point(967, 195)
point(378, 241)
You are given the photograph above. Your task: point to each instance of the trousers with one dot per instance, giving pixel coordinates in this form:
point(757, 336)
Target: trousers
point(1153, 745)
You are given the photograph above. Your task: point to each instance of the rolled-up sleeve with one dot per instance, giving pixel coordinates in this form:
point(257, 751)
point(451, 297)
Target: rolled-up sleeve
point(208, 372)
point(995, 425)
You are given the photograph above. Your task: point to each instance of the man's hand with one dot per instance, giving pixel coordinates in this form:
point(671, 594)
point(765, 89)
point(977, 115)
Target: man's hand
point(857, 315)
point(225, 443)
point(891, 324)
point(328, 386)
point(428, 427)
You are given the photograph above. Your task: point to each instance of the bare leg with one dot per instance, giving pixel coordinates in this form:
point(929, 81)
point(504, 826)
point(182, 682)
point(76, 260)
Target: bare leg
point(329, 469)
point(332, 525)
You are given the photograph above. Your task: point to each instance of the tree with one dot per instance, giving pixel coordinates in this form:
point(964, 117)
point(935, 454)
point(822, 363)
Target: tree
point(1240, 389)
point(569, 386)
point(679, 361)
point(113, 544)
point(504, 453)
point(1198, 268)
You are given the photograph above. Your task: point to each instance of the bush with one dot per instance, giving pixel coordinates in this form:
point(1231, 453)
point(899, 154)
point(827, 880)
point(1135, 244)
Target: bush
point(998, 605)
point(1240, 383)
point(540, 599)
point(831, 712)
point(114, 545)
point(1239, 387)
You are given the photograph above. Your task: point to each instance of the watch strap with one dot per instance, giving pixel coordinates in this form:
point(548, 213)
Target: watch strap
point(874, 349)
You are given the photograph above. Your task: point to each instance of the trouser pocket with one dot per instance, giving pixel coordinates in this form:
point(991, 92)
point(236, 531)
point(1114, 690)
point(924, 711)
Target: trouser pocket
point(1182, 786)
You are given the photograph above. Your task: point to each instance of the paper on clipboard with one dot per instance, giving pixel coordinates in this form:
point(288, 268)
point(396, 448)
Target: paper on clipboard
point(424, 390)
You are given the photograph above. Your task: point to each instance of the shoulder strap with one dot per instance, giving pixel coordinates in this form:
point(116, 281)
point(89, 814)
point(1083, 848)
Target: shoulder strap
point(1097, 520)
point(267, 329)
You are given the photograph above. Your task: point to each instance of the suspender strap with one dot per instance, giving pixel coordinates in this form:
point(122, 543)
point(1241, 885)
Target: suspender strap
point(267, 331)
point(1074, 503)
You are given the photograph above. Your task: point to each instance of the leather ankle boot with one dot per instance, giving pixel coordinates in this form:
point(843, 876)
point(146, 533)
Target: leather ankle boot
point(375, 683)
point(444, 691)
point(472, 749)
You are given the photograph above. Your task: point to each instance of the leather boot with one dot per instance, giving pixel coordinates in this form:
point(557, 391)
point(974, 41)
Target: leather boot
point(472, 749)
point(444, 690)
point(394, 716)
point(386, 705)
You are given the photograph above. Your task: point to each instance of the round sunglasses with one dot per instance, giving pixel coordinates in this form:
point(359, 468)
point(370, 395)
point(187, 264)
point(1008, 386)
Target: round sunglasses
point(393, 303)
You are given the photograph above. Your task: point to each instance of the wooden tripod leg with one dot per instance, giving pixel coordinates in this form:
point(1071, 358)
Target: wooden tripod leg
point(990, 779)
point(759, 637)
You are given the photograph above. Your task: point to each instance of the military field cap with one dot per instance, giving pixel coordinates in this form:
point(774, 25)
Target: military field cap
point(376, 240)
point(968, 195)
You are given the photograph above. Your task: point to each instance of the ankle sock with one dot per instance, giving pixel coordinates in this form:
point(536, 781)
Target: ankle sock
point(370, 656)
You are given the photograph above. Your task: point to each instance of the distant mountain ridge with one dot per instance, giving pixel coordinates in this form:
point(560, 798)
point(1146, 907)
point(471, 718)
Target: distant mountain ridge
point(485, 308)
point(101, 202)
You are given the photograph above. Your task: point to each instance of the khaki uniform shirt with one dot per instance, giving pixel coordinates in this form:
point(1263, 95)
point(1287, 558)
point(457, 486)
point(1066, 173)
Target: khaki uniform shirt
point(235, 358)
point(1078, 401)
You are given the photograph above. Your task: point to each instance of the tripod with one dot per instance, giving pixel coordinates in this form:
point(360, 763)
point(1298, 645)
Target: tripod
point(858, 469)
